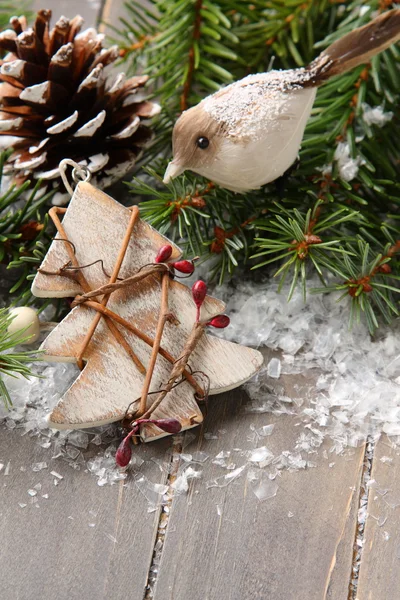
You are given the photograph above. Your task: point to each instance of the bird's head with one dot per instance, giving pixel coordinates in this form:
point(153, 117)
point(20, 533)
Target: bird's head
point(196, 142)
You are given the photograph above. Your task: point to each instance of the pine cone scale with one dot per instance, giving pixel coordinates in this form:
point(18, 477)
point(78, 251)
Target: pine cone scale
point(21, 73)
point(8, 41)
point(64, 125)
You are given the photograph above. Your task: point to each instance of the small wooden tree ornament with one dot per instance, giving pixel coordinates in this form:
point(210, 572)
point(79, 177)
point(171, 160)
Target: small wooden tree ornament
point(111, 335)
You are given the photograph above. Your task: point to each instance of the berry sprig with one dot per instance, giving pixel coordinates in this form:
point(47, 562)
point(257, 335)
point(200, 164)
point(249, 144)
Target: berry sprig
point(199, 293)
point(124, 451)
point(183, 266)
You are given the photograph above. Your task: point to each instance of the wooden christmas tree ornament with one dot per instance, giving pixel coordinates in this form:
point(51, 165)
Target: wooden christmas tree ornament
point(130, 337)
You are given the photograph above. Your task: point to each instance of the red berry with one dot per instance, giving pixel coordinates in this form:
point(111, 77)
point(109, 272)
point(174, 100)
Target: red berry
point(184, 266)
point(164, 253)
point(220, 322)
point(168, 425)
point(199, 292)
point(124, 452)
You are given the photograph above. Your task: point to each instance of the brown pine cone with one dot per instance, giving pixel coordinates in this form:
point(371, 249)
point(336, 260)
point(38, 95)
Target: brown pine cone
point(56, 98)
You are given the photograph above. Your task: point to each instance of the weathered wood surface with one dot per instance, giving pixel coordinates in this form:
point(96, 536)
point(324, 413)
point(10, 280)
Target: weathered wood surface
point(54, 551)
point(380, 565)
point(297, 545)
point(251, 550)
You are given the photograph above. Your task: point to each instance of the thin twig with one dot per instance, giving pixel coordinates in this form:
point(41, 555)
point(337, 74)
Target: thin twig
point(162, 319)
point(179, 366)
point(146, 339)
point(187, 86)
point(113, 278)
point(79, 276)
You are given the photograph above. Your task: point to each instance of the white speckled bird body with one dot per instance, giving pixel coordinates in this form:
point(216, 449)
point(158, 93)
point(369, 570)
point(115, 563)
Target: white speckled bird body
point(249, 133)
point(263, 122)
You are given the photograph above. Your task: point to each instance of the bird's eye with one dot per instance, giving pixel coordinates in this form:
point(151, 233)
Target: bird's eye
point(202, 142)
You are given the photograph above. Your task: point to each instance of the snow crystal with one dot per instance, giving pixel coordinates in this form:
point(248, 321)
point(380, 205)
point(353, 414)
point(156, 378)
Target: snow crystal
point(350, 390)
point(261, 455)
point(348, 166)
point(225, 480)
point(39, 466)
point(266, 489)
point(78, 438)
point(153, 492)
point(274, 368)
point(181, 483)
point(375, 115)
point(200, 457)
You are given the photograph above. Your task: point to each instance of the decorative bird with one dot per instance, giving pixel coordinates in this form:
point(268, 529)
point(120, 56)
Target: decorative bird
point(249, 133)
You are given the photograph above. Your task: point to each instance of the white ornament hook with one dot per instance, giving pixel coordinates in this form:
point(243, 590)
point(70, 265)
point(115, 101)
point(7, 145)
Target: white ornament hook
point(79, 173)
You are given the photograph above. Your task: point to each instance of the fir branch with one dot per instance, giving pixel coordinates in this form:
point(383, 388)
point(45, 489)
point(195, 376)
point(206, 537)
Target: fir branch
point(347, 176)
point(298, 239)
point(187, 47)
point(13, 363)
point(23, 231)
point(369, 282)
point(209, 222)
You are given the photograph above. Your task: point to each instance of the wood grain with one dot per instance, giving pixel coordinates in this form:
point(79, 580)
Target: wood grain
point(379, 577)
point(52, 551)
point(256, 550)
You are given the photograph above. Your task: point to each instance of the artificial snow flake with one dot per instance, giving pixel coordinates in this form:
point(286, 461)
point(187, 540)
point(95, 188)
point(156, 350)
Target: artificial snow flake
point(375, 115)
point(348, 166)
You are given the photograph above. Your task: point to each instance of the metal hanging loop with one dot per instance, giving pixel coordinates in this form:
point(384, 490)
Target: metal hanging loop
point(79, 173)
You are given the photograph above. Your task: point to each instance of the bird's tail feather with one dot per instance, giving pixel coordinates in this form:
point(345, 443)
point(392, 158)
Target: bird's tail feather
point(356, 48)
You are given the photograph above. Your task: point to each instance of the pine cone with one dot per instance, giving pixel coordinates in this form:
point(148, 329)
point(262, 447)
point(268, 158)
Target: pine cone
point(56, 98)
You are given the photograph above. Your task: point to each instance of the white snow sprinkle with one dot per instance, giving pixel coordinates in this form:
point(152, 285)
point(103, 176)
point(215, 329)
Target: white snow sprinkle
point(375, 115)
point(348, 166)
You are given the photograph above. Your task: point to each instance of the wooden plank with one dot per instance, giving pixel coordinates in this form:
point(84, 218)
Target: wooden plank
point(257, 549)
point(88, 9)
point(379, 577)
point(54, 551)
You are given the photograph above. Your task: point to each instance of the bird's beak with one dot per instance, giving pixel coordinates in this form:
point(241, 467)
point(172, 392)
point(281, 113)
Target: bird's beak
point(173, 170)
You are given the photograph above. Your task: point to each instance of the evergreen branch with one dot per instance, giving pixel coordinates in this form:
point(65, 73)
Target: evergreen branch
point(345, 191)
point(13, 363)
point(294, 239)
point(369, 281)
point(187, 47)
point(23, 230)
